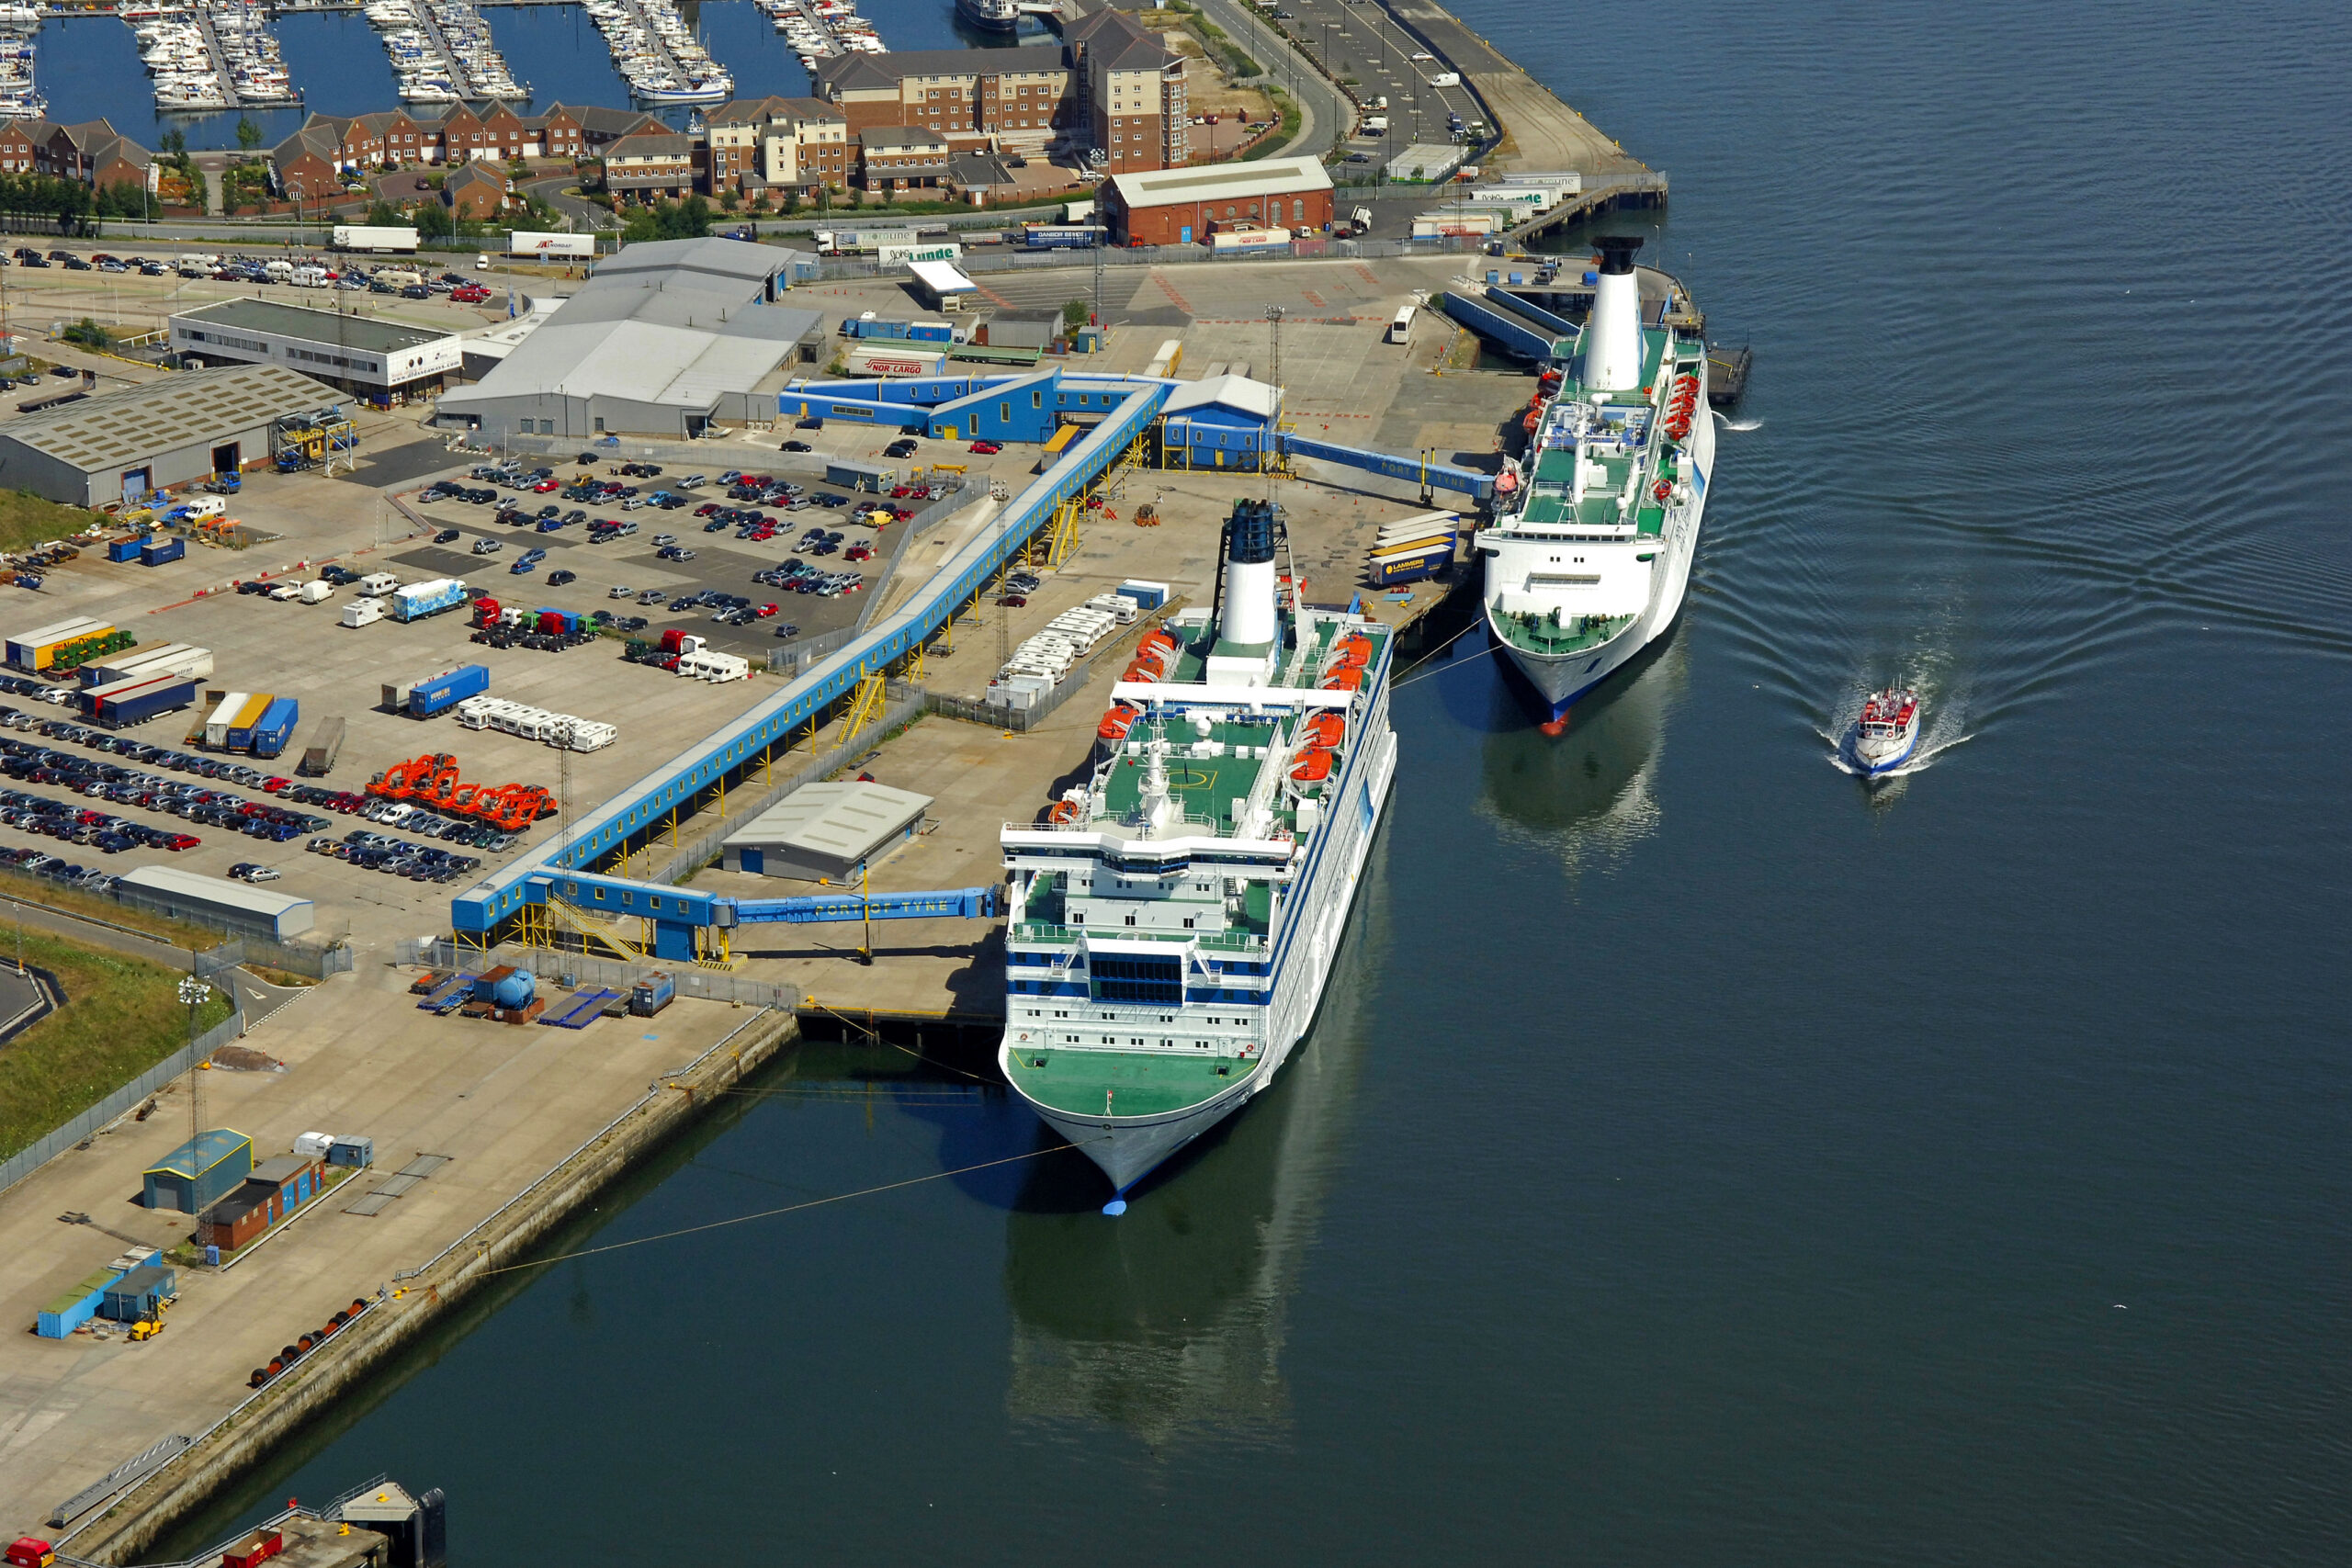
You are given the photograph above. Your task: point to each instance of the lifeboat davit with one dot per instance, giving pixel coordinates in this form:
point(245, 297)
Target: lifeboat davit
point(1353, 654)
point(1313, 765)
point(1345, 679)
point(1326, 730)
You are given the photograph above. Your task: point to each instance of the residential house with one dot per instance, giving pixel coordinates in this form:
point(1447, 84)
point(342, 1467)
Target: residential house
point(895, 157)
point(650, 165)
point(1013, 99)
point(479, 191)
point(92, 151)
point(1130, 93)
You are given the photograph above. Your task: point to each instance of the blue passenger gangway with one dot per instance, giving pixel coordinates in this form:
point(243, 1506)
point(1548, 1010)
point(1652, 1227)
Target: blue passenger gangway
point(1131, 404)
point(1435, 476)
point(1549, 321)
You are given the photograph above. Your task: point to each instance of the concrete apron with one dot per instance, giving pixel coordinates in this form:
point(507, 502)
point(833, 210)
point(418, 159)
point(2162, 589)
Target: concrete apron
point(187, 1482)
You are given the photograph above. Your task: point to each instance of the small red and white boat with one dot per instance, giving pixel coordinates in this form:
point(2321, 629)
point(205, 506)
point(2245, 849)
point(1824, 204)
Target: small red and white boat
point(1888, 730)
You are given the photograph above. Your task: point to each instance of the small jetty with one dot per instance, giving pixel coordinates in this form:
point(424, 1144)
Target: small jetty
point(820, 29)
point(19, 98)
point(442, 51)
point(657, 54)
point(1727, 373)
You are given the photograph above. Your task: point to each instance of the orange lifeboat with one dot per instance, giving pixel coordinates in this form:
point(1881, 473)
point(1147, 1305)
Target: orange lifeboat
point(1353, 652)
point(1345, 679)
point(1313, 765)
point(1063, 813)
point(1145, 672)
point(1116, 723)
point(1326, 730)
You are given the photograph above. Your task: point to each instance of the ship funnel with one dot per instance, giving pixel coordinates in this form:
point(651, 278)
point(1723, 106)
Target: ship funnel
point(1246, 594)
point(1612, 334)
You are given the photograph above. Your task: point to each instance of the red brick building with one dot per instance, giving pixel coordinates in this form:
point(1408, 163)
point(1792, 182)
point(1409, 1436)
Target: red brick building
point(1175, 206)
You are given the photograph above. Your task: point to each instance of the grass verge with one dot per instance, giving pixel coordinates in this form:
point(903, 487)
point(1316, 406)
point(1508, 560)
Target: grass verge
point(121, 1016)
point(26, 519)
point(16, 888)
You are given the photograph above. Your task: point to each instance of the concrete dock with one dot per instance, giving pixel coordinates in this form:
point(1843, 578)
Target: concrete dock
point(535, 1119)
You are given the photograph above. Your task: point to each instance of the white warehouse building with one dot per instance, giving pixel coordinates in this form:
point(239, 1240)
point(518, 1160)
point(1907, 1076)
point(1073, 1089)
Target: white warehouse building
point(383, 361)
point(663, 340)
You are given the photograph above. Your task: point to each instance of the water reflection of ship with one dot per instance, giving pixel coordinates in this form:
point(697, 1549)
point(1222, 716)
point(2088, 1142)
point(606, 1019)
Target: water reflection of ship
point(1587, 792)
point(1171, 1322)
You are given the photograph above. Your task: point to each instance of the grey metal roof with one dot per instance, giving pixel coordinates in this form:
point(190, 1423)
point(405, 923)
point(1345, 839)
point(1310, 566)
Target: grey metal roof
point(848, 821)
point(676, 322)
point(370, 334)
point(195, 887)
point(194, 406)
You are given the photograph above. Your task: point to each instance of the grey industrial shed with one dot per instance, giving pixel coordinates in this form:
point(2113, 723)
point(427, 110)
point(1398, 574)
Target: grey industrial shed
point(174, 430)
point(825, 831)
point(663, 340)
point(232, 905)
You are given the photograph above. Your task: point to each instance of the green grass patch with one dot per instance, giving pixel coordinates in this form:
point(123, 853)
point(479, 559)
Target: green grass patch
point(1267, 146)
point(18, 887)
point(26, 519)
point(121, 1016)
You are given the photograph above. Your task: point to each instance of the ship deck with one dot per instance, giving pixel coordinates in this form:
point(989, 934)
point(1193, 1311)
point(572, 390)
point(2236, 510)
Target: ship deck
point(1137, 1083)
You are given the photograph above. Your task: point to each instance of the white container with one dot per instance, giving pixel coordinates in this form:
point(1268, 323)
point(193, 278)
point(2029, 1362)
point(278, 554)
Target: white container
point(362, 613)
point(318, 591)
point(312, 1146)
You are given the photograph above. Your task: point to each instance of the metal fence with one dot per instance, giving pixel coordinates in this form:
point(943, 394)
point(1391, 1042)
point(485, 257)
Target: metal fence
point(23, 1163)
point(318, 963)
point(1015, 258)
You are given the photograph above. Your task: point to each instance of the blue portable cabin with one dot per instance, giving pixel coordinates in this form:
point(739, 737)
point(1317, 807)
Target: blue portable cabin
point(1225, 422)
point(138, 1294)
point(201, 1172)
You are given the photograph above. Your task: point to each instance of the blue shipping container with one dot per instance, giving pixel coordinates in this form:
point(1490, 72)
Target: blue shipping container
point(1060, 236)
point(274, 728)
point(155, 552)
point(444, 691)
point(124, 549)
point(139, 1293)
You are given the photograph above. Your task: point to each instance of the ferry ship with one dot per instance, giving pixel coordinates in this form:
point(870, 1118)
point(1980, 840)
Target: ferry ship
point(1887, 732)
point(1587, 563)
point(1175, 918)
point(997, 16)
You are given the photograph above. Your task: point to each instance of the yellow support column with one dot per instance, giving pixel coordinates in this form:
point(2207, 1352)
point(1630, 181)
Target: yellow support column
point(866, 703)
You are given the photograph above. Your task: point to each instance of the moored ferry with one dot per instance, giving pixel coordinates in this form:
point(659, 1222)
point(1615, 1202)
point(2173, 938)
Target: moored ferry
point(997, 16)
point(1590, 552)
point(1175, 918)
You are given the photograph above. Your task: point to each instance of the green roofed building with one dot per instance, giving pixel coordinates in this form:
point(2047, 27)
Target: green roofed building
point(201, 1172)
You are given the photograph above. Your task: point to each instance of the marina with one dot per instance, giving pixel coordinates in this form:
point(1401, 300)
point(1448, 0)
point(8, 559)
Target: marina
point(21, 96)
point(820, 30)
point(658, 55)
point(442, 51)
point(216, 56)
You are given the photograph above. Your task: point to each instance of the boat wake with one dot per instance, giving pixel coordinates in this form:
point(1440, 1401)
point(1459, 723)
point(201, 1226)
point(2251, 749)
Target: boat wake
point(1739, 424)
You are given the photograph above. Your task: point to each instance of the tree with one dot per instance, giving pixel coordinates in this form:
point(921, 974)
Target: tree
point(175, 143)
point(1075, 312)
point(434, 222)
point(88, 333)
point(729, 200)
point(382, 214)
point(248, 134)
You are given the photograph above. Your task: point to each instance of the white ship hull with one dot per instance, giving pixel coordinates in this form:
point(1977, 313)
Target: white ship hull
point(1128, 1148)
point(1559, 681)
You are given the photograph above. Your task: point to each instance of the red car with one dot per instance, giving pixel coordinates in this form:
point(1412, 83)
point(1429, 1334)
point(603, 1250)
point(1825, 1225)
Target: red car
point(858, 552)
point(765, 611)
point(900, 493)
point(987, 448)
point(547, 487)
point(706, 509)
point(181, 841)
point(469, 294)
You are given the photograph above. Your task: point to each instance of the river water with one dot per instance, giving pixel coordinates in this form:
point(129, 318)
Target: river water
point(1700, 1159)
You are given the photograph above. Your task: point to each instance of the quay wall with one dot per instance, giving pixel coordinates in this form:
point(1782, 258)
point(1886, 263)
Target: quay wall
point(427, 1293)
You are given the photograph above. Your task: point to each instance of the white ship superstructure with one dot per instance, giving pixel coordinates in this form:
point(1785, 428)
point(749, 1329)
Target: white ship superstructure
point(1176, 916)
point(1591, 549)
